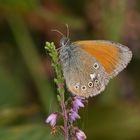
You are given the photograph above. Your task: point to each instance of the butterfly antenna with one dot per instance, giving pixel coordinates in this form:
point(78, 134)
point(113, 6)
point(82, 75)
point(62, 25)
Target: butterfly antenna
point(68, 32)
point(55, 30)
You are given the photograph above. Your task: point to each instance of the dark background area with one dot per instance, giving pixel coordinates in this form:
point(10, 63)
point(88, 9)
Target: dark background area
point(27, 91)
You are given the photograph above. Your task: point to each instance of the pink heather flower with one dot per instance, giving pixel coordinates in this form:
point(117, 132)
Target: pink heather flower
point(52, 119)
point(73, 115)
point(80, 135)
point(77, 103)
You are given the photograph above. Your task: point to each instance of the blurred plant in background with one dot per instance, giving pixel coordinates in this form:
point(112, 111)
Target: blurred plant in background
point(27, 92)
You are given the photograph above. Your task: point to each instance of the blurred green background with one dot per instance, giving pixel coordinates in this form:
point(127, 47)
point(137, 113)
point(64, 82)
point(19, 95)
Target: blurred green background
point(27, 90)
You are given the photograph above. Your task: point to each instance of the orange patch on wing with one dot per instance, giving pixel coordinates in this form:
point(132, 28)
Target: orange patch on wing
point(104, 52)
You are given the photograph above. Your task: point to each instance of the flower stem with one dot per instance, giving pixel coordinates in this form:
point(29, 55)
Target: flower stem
point(50, 47)
point(65, 117)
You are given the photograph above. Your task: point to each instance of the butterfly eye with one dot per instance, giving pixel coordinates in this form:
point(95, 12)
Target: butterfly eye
point(96, 66)
point(90, 84)
point(83, 87)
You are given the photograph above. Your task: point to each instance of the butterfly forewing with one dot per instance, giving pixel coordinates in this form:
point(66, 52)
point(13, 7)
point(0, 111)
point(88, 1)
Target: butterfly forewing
point(114, 57)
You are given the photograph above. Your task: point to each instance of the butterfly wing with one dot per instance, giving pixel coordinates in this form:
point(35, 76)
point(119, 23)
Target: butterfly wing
point(114, 57)
point(88, 65)
point(84, 75)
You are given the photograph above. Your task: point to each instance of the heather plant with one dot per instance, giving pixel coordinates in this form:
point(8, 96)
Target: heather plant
point(70, 106)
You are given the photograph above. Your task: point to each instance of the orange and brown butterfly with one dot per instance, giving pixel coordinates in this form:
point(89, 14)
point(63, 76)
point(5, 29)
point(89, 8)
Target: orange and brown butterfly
point(89, 65)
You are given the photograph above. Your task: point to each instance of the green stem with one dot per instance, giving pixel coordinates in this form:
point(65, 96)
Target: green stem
point(50, 47)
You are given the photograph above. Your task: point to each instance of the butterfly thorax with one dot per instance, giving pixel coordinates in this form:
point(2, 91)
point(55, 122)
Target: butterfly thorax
point(66, 51)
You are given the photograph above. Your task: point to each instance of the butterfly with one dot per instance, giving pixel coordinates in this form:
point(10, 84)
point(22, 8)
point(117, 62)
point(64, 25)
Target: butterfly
point(88, 65)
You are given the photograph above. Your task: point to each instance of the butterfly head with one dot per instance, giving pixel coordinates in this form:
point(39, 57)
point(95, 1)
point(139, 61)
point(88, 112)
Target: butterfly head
point(65, 41)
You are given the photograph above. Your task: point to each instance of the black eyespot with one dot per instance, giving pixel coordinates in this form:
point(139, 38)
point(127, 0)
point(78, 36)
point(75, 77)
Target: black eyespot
point(83, 87)
point(77, 86)
point(96, 81)
point(96, 65)
point(90, 84)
